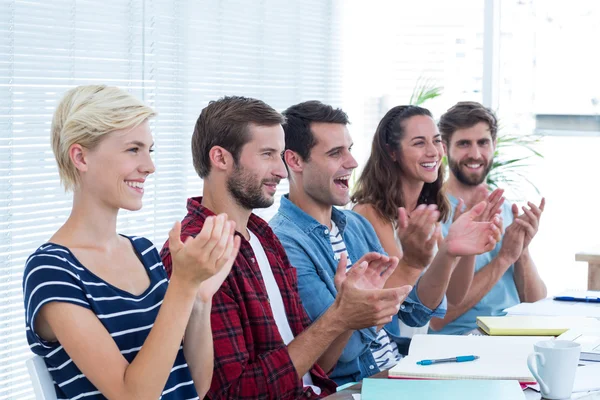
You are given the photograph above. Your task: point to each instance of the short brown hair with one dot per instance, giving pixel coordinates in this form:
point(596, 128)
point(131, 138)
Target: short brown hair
point(224, 123)
point(464, 115)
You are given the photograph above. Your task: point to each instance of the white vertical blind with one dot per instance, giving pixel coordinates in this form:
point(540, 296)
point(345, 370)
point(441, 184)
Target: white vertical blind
point(176, 55)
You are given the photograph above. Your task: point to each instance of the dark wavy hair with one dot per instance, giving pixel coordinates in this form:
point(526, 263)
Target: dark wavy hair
point(380, 182)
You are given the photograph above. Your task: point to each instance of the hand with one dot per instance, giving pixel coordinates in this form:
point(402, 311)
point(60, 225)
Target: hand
point(204, 256)
point(493, 201)
point(210, 286)
point(467, 236)
point(512, 244)
point(419, 234)
point(379, 269)
point(360, 308)
point(529, 220)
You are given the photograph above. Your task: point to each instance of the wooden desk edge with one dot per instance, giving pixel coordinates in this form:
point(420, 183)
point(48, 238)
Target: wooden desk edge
point(593, 258)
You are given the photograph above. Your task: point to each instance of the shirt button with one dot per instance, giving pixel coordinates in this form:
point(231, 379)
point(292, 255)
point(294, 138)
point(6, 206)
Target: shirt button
point(326, 231)
point(402, 307)
point(371, 367)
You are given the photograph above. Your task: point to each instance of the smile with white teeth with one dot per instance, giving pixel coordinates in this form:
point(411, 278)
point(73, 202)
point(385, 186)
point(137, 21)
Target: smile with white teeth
point(137, 185)
point(342, 181)
point(474, 166)
point(429, 164)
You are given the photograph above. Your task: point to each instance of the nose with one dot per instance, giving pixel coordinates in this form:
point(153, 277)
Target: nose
point(350, 162)
point(432, 150)
point(474, 153)
point(147, 166)
point(280, 170)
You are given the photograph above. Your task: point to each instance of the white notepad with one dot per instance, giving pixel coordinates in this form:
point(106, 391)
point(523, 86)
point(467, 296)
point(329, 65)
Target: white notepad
point(500, 357)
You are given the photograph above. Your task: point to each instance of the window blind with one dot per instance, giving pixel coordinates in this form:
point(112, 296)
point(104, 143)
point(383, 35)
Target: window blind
point(176, 55)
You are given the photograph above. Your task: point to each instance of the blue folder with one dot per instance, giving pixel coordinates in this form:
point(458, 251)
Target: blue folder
point(382, 389)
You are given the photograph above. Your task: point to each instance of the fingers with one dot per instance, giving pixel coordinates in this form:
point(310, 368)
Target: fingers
point(526, 226)
point(340, 272)
point(391, 267)
point(204, 236)
point(515, 211)
point(402, 218)
point(175, 243)
point(529, 214)
point(542, 204)
point(459, 209)
point(476, 211)
point(229, 256)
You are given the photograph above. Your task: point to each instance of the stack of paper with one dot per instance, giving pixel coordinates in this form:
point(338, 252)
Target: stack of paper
point(557, 308)
point(589, 339)
point(500, 357)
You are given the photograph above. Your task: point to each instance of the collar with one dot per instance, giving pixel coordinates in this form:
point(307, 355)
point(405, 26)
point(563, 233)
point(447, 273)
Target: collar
point(306, 222)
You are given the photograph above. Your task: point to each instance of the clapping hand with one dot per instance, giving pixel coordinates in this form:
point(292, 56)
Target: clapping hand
point(419, 234)
point(468, 236)
point(205, 260)
point(529, 221)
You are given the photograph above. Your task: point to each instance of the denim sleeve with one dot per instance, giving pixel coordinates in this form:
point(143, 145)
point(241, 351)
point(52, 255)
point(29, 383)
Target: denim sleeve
point(414, 313)
point(317, 297)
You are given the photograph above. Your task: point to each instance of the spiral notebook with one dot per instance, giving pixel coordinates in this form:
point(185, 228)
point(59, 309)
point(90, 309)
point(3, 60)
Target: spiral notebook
point(500, 357)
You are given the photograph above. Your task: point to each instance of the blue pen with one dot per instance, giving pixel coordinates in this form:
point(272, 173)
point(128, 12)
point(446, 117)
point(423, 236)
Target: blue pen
point(581, 299)
point(447, 360)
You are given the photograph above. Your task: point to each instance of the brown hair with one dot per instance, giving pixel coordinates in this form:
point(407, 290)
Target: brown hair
point(464, 115)
point(380, 183)
point(225, 123)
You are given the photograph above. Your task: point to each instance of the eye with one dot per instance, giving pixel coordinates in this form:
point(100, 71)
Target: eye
point(438, 140)
point(151, 150)
point(134, 150)
point(419, 143)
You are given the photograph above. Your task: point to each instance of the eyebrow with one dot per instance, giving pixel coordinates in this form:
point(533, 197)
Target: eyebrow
point(263, 149)
point(138, 143)
point(423, 137)
point(335, 149)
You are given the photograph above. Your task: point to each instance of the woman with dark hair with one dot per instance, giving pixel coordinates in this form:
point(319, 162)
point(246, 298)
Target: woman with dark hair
point(400, 191)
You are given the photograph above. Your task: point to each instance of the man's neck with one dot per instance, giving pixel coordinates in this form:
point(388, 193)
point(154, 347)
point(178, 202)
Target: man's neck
point(320, 212)
point(459, 190)
point(218, 200)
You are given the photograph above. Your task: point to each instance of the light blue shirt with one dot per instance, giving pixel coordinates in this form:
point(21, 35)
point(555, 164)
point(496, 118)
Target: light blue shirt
point(309, 250)
point(502, 295)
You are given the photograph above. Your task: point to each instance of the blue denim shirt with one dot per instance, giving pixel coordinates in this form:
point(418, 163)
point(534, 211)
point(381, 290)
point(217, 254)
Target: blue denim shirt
point(309, 250)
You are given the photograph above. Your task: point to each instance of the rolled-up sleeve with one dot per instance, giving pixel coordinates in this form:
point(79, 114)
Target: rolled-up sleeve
point(414, 313)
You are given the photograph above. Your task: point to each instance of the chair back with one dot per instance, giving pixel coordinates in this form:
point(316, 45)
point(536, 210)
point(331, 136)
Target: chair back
point(43, 385)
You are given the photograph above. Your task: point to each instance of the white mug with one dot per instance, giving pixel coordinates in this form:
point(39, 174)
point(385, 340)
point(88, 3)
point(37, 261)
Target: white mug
point(556, 366)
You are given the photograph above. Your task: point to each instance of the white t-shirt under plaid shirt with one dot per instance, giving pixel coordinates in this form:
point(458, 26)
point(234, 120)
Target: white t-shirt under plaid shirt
point(385, 351)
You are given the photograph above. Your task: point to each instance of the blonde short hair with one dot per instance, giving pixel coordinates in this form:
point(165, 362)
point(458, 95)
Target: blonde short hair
point(84, 116)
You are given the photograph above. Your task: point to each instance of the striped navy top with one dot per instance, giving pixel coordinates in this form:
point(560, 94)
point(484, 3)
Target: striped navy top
point(53, 273)
point(385, 351)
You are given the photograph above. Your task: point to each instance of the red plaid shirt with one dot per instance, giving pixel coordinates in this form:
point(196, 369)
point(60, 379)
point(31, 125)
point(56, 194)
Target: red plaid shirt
point(251, 359)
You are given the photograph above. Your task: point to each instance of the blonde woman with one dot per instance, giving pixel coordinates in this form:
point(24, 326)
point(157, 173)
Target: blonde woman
point(99, 307)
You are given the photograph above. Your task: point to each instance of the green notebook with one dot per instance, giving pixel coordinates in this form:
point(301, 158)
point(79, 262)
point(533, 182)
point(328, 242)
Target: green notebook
point(383, 389)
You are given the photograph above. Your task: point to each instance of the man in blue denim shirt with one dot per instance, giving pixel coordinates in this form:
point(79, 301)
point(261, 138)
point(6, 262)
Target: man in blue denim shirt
point(315, 235)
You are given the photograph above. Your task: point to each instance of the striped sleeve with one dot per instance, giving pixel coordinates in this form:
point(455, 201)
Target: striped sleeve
point(49, 276)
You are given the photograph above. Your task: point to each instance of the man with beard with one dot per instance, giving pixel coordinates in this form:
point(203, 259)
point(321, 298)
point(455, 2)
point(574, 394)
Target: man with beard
point(506, 275)
point(264, 347)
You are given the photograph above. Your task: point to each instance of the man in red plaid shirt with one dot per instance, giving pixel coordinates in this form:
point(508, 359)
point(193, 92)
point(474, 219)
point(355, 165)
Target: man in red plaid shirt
point(264, 346)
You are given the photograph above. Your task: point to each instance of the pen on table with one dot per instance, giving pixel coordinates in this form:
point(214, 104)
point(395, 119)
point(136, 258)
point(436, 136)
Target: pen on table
point(447, 360)
point(579, 299)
